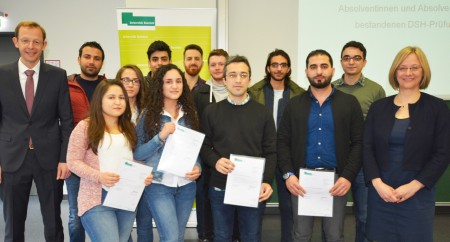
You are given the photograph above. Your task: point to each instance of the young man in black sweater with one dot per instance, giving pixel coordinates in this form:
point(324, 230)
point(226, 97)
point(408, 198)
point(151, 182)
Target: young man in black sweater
point(241, 126)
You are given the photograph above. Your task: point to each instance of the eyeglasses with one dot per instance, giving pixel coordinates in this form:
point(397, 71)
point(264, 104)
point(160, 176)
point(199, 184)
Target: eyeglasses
point(404, 69)
point(276, 65)
point(126, 80)
point(27, 42)
point(356, 58)
point(233, 76)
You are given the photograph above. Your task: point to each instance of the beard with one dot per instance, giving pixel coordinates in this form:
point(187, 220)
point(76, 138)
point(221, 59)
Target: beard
point(192, 70)
point(326, 82)
point(90, 72)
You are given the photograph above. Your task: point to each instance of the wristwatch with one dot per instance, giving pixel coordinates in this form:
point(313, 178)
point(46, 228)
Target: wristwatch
point(287, 175)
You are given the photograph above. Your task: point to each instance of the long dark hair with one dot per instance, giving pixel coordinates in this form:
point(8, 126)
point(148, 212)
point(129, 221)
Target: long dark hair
point(272, 54)
point(154, 103)
point(97, 125)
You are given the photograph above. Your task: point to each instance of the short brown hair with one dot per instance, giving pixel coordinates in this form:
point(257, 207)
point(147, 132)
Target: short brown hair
point(29, 24)
point(398, 60)
point(193, 47)
point(218, 52)
point(237, 59)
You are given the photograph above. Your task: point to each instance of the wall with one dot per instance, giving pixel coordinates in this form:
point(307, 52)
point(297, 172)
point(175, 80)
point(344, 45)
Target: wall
point(258, 27)
point(68, 25)
point(254, 27)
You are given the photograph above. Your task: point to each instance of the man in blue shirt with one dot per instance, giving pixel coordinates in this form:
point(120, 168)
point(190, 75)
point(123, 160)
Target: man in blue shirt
point(321, 129)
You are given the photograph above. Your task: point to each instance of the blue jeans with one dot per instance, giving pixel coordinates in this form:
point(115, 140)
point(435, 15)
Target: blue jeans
point(359, 192)
point(106, 224)
point(170, 207)
point(250, 219)
point(76, 230)
point(285, 207)
point(144, 223)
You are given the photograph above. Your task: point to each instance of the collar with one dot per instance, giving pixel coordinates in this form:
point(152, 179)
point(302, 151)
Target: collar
point(180, 114)
point(149, 75)
point(23, 67)
point(213, 82)
point(216, 88)
point(246, 100)
point(99, 78)
point(314, 98)
point(200, 82)
point(361, 81)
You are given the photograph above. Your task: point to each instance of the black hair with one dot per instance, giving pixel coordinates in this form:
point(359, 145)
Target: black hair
point(159, 45)
point(91, 44)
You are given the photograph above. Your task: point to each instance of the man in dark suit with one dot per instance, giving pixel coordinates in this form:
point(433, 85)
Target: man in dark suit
point(35, 125)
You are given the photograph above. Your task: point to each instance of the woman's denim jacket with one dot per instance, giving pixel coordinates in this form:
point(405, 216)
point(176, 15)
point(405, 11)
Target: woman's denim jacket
point(151, 151)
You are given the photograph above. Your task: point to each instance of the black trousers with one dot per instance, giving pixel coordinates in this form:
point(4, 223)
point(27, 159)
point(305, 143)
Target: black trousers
point(15, 191)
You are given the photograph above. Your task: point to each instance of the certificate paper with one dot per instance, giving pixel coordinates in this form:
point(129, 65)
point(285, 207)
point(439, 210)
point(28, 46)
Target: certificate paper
point(244, 182)
point(126, 193)
point(317, 200)
point(181, 151)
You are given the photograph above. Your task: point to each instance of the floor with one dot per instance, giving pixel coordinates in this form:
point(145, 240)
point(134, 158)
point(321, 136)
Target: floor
point(34, 227)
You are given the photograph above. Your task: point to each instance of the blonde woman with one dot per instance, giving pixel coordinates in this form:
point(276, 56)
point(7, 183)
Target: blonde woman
point(406, 150)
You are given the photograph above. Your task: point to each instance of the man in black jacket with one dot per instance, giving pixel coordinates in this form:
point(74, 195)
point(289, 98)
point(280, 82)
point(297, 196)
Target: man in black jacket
point(321, 129)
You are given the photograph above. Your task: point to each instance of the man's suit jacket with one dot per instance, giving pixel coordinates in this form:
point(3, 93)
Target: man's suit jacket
point(49, 125)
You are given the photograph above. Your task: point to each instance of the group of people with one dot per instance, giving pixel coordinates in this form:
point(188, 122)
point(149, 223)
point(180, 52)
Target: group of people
point(390, 151)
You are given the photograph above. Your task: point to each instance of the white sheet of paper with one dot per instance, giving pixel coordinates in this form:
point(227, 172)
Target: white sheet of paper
point(244, 182)
point(317, 200)
point(181, 151)
point(127, 192)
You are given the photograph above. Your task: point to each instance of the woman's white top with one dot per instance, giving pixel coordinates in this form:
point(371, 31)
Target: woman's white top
point(111, 151)
point(168, 179)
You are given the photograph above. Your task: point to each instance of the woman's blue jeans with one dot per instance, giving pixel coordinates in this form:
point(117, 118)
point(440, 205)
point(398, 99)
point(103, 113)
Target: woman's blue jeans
point(170, 207)
point(106, 224)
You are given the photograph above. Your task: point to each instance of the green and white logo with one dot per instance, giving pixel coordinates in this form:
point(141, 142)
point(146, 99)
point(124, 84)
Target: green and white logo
point(130, 20)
